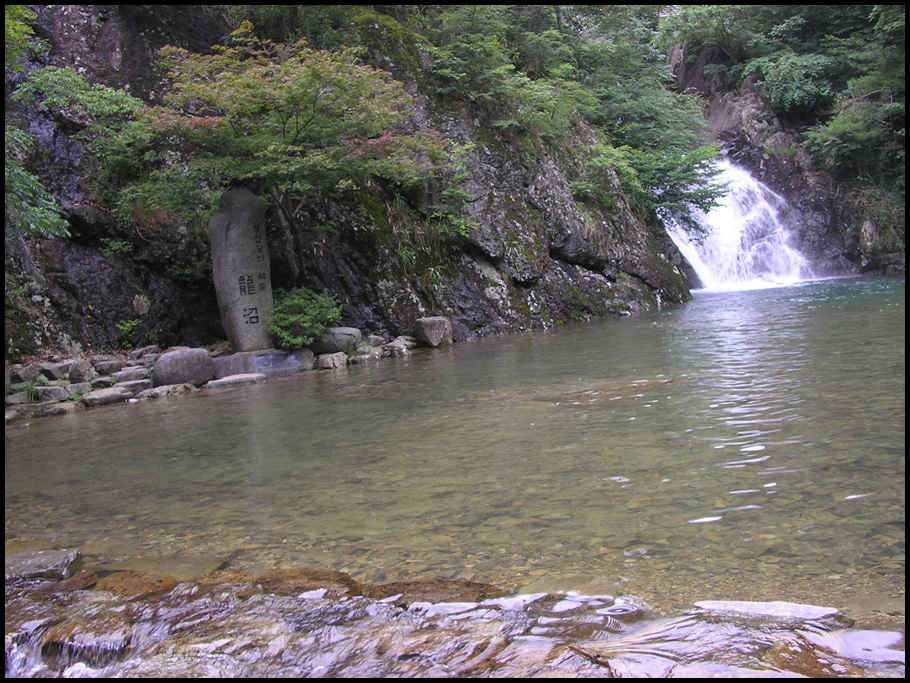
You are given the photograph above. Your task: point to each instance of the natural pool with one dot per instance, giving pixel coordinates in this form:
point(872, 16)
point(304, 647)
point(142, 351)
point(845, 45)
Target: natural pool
point(745, 446)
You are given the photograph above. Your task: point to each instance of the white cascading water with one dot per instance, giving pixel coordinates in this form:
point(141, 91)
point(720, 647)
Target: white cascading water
point(747, 245)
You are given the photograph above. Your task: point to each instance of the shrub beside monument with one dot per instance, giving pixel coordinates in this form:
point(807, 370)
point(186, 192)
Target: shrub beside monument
point(301, 316)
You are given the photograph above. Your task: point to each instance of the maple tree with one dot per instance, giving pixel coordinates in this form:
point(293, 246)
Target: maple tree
point(286, 119)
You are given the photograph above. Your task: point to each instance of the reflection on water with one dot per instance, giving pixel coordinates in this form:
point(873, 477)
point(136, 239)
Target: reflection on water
point(747, 446)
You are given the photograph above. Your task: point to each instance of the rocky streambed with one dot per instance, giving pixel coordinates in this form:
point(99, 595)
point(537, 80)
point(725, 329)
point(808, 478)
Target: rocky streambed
point(67, 618)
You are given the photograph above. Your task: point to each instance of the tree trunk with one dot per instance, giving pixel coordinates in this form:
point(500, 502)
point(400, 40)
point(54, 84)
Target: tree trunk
point(287, 223)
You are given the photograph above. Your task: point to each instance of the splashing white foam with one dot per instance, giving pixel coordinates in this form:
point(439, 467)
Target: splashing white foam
point(747, 244)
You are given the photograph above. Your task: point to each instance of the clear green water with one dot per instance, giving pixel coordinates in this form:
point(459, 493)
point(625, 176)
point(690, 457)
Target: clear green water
point(745, 446)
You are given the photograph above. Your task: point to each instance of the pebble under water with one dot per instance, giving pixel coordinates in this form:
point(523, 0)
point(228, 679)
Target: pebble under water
point(745, 447)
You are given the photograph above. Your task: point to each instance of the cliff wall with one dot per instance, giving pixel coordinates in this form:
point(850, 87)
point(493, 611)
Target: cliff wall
point(535, 255)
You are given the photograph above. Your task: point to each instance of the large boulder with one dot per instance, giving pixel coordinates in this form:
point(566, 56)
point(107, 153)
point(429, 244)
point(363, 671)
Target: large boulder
point(331, 361)
point(434, 331)
point(337, 339)
point(183, 366)
point(80, 371)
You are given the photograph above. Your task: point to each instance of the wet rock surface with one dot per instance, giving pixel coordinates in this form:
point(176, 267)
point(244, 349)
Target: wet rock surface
point(406, 593)
point(40, 564)
point(134, 584)
point(313, 622)
point(296, 581)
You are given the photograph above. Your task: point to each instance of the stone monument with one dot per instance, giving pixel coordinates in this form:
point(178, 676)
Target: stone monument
point(240, 263)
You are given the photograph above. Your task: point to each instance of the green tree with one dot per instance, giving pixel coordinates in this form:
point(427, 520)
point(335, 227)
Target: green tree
point(102, 118)
point(17, 33)
point(657, 136)
point(287, 119)
point(865, 136)
point(30, 208)
point(301, 316)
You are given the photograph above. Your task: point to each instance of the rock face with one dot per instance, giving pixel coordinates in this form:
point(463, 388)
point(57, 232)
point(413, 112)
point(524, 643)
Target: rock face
point(535, 256)
point(93, 295)
point(240, 265)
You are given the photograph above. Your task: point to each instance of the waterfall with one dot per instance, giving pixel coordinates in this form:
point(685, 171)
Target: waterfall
point(747, 244)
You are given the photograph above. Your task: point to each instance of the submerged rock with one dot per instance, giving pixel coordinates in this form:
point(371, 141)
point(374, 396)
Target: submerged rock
point(224, 576)
point(295, 581)
point(181, 567)
point(773, 610)
point(405, 593)
point(137, 584)
point(77, 582)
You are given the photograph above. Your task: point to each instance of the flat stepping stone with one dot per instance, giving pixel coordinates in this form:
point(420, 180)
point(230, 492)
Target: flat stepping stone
point(233, 380)
point(101, 397)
